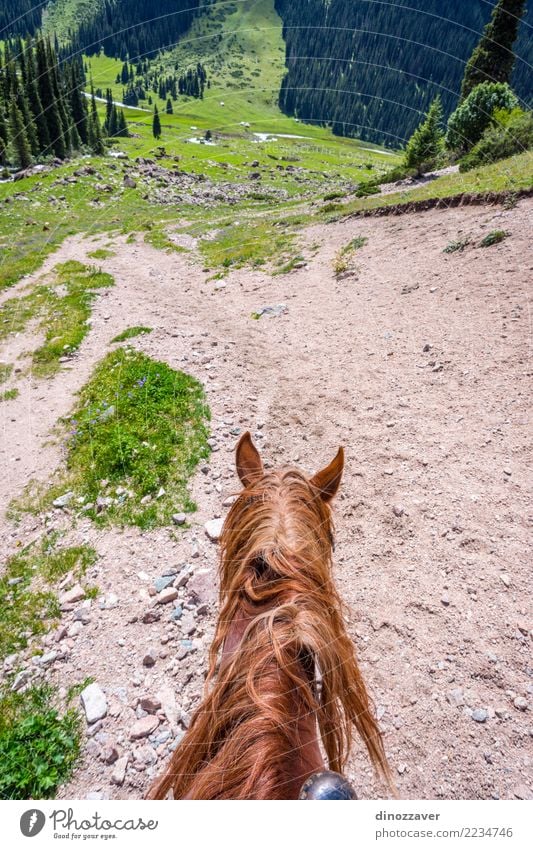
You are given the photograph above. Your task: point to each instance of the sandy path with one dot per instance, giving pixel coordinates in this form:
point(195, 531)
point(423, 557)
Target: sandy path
point(438, 595)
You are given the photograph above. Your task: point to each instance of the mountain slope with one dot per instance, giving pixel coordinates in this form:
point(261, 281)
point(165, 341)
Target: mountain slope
point(372, 68)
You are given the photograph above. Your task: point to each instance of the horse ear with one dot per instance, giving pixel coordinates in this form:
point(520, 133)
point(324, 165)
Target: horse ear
point(249, 464)
point(328, 480)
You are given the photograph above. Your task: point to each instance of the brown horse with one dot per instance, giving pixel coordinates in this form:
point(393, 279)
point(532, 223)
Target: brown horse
point(287, 682)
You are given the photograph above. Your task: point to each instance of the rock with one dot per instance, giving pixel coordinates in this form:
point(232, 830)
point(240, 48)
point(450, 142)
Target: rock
point(119, 773)
point(77, 593)
point(94, 703)
point(202, 586)
point(21, 679)
point(167, 595)
point(129, 182)
point(110, 754)
point(95, 796)
point(445, 600)
point(188, 625)
point(151, 616)
point(272, 311)
point(168, 705)
point(150, 658)
point(504, 578)
point(179, 518)
point(143, 727)
point(520, 703)
point(213, 529)
point(398, 510)
point(47, 658)
point(109, 602)
point(480, 715)
point(177, 613)
point(162, 583)
point(455, 697)
point(145, 755)
point(183, 578)
point(151, 704)
point(401, 768)
point(63, 500)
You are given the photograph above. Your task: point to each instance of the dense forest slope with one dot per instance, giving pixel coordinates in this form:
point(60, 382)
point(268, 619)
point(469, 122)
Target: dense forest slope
point(18, 17)
point(372, 67)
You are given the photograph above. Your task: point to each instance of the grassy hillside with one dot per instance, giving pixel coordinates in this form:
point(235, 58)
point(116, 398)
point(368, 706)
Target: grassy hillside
point(62, 17)
point(242, 48)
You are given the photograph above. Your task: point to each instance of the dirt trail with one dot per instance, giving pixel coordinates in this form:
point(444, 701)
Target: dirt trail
point(432, 520)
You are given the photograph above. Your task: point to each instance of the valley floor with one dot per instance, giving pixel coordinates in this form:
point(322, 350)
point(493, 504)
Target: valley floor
point(419, 364)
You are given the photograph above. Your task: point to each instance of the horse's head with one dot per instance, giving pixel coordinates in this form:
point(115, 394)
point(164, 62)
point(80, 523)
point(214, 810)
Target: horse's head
point(281, 520)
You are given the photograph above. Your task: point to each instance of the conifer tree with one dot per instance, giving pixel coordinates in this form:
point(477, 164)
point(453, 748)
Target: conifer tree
point(48, 99)
point(96, 141)
point(493, 58)
point(169, 107)
point(19, 138)
point(427, 142)
point(156, 124)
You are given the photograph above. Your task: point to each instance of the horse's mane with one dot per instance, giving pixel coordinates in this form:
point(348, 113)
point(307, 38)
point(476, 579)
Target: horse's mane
point(275, 572)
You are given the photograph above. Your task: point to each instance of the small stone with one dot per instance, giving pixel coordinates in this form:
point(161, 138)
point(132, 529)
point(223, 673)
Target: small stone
point(144, 727)
point(63, 500)
point(504, 578)
point(480, 715)
point(398, 510)
point(20, 680)
point(162, 583)
point(129, 182)
point(110, 754)
point(177, 613)
point(167, 595)
point(520, 703)
point(445, 600)
point(179, 518)
point(213, 529)
point(188, 625)
point(94, 703)
point(150, 658)
point(151, 616)
point(401, 768)
point(455, 697)
point(119, 773)
point(150, 704)
point(77, 593)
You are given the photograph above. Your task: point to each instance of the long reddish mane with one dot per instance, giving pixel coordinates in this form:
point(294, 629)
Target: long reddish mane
point(246, 739)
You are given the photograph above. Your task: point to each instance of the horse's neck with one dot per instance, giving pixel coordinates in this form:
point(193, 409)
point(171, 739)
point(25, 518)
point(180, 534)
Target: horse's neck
point(307, 759)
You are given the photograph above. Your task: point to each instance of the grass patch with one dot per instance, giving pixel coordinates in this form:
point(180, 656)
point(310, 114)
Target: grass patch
point(456, 245)
point(493, 238)
point(131, 333)
point(5, 372)
point(356, 244)
point(136, 436)
point(343, 262)
point(62, 307)
point(160, 240)
point(9, 394)
point(287, 267)
point(252, 244)
point(28, 603)
point(101, 253)
point(38, 746)
point(510, 174)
